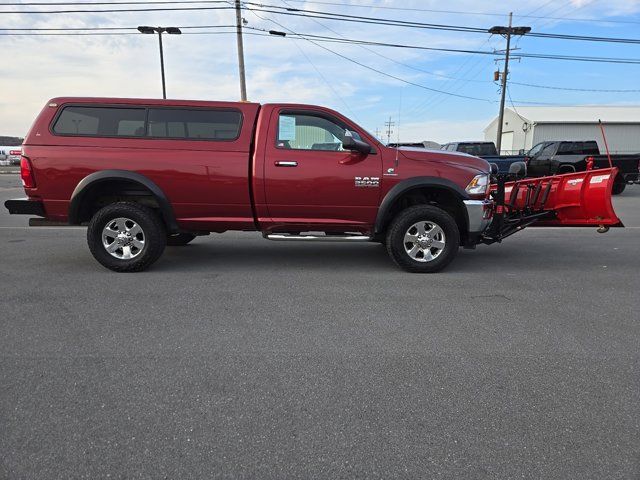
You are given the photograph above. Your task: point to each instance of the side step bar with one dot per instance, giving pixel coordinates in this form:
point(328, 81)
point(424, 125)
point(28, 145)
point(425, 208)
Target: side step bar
point(283, 237)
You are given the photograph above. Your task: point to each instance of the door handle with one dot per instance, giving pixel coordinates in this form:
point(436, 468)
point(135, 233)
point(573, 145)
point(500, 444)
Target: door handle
point(286, 164)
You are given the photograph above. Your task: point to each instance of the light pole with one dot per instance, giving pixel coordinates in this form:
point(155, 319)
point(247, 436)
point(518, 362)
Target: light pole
point(160, 31)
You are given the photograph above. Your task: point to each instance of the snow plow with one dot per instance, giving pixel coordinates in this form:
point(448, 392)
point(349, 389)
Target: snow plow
point(580, 199)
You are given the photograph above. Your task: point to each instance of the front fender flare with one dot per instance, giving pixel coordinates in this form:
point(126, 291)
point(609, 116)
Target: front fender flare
point(103, 176)
point(410, 184)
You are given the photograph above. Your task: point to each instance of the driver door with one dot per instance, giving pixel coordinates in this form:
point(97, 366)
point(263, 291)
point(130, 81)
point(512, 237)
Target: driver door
point(311, 181)
point(540, 163)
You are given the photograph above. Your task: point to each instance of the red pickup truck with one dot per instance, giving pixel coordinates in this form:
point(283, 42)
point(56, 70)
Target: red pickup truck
point(144, 174)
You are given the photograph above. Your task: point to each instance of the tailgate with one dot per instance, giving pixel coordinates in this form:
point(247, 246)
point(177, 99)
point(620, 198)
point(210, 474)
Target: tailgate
point(580, 199)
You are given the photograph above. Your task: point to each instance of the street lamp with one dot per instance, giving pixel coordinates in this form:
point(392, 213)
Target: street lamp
point(160, 31)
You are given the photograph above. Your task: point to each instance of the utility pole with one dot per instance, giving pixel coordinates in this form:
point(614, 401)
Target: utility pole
point(243, 83)
point(506, 32)
point(377, 132)
point(389, 125)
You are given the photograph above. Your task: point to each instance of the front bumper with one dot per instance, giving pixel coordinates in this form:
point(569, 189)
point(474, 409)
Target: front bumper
point(24, 206)
point(479, 215)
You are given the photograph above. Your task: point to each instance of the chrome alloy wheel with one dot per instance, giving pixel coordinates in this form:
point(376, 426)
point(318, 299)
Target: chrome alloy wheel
point(123, 238)
point(424, 241)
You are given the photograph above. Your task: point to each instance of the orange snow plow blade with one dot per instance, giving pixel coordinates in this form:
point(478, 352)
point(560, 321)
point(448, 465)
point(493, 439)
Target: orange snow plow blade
point(579, 199)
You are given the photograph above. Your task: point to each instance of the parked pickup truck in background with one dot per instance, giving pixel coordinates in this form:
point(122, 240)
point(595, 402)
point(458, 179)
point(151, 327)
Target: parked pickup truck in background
point(146, 173)
point(551, 158)
point(486, 150)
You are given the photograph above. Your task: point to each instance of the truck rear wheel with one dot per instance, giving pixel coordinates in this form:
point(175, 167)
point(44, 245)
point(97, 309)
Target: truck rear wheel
point(126, 237)
point(423, 239)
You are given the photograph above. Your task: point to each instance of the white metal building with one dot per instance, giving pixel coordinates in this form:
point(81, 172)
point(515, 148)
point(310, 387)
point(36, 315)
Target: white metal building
point(526, 126)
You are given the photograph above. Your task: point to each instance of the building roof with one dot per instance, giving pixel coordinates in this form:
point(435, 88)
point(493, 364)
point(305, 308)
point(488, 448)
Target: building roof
point(580, 114)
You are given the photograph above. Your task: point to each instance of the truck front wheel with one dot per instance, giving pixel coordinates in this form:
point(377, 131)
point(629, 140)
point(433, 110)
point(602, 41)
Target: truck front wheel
point(126, 237)
point(423, 239)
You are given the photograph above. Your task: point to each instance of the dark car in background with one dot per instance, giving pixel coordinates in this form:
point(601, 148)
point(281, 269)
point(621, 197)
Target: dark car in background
point(558, 157)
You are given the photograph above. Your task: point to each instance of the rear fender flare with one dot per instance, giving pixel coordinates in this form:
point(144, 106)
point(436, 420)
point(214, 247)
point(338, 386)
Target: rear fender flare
point(103, 176)
point(383, 217)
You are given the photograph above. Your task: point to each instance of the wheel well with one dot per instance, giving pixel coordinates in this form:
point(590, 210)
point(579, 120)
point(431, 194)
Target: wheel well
point(566, 168)
point(100, 194)
point(440, 197)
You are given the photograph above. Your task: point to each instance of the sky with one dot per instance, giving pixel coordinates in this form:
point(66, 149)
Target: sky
point(340, 76)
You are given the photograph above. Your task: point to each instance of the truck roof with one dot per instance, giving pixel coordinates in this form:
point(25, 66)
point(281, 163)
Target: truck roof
point(146, 101)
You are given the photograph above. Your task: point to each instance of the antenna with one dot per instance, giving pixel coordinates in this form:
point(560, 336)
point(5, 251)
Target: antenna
point(398, 130)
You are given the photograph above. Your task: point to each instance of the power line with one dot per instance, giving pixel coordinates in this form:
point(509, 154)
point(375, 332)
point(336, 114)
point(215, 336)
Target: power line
point(460, 12)
point(420, 25)
point(323, 15)
point(327, 39)
point(323, 38)
point(151, 2)
point(406, 65)
point(68, 29)
point(550, 87)
point(99, 34)
point(338, 4)
point(119, 10)
point(408, 82)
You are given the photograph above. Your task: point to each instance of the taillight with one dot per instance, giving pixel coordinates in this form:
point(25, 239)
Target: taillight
point(26, 173)
point(15, 152)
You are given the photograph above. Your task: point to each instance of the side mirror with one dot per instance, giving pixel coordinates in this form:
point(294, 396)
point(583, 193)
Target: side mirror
point(494, 168)
point(350, 143)
point(518, 169)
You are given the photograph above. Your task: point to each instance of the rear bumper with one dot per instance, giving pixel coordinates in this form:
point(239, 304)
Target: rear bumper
point(479, 214)
point(24, 206)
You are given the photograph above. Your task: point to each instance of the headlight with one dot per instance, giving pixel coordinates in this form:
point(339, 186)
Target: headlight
point(479, 184)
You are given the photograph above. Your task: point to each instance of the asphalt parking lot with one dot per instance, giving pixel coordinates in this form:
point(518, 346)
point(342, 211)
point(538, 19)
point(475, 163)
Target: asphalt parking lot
point(235, 357)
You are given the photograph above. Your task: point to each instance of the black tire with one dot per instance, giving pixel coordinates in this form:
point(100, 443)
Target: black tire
point(179, 239)
point(618, 188)
point(402, 224)
point(153, 235)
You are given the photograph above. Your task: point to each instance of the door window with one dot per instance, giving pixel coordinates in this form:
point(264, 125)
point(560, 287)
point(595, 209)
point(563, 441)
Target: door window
point(535, 150)
point(548, 150)
point(311, 132)
point(590, 148)
point(570, 148)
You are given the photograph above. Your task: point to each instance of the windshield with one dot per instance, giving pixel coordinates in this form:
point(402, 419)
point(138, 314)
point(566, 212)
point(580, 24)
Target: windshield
point(535, 150)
